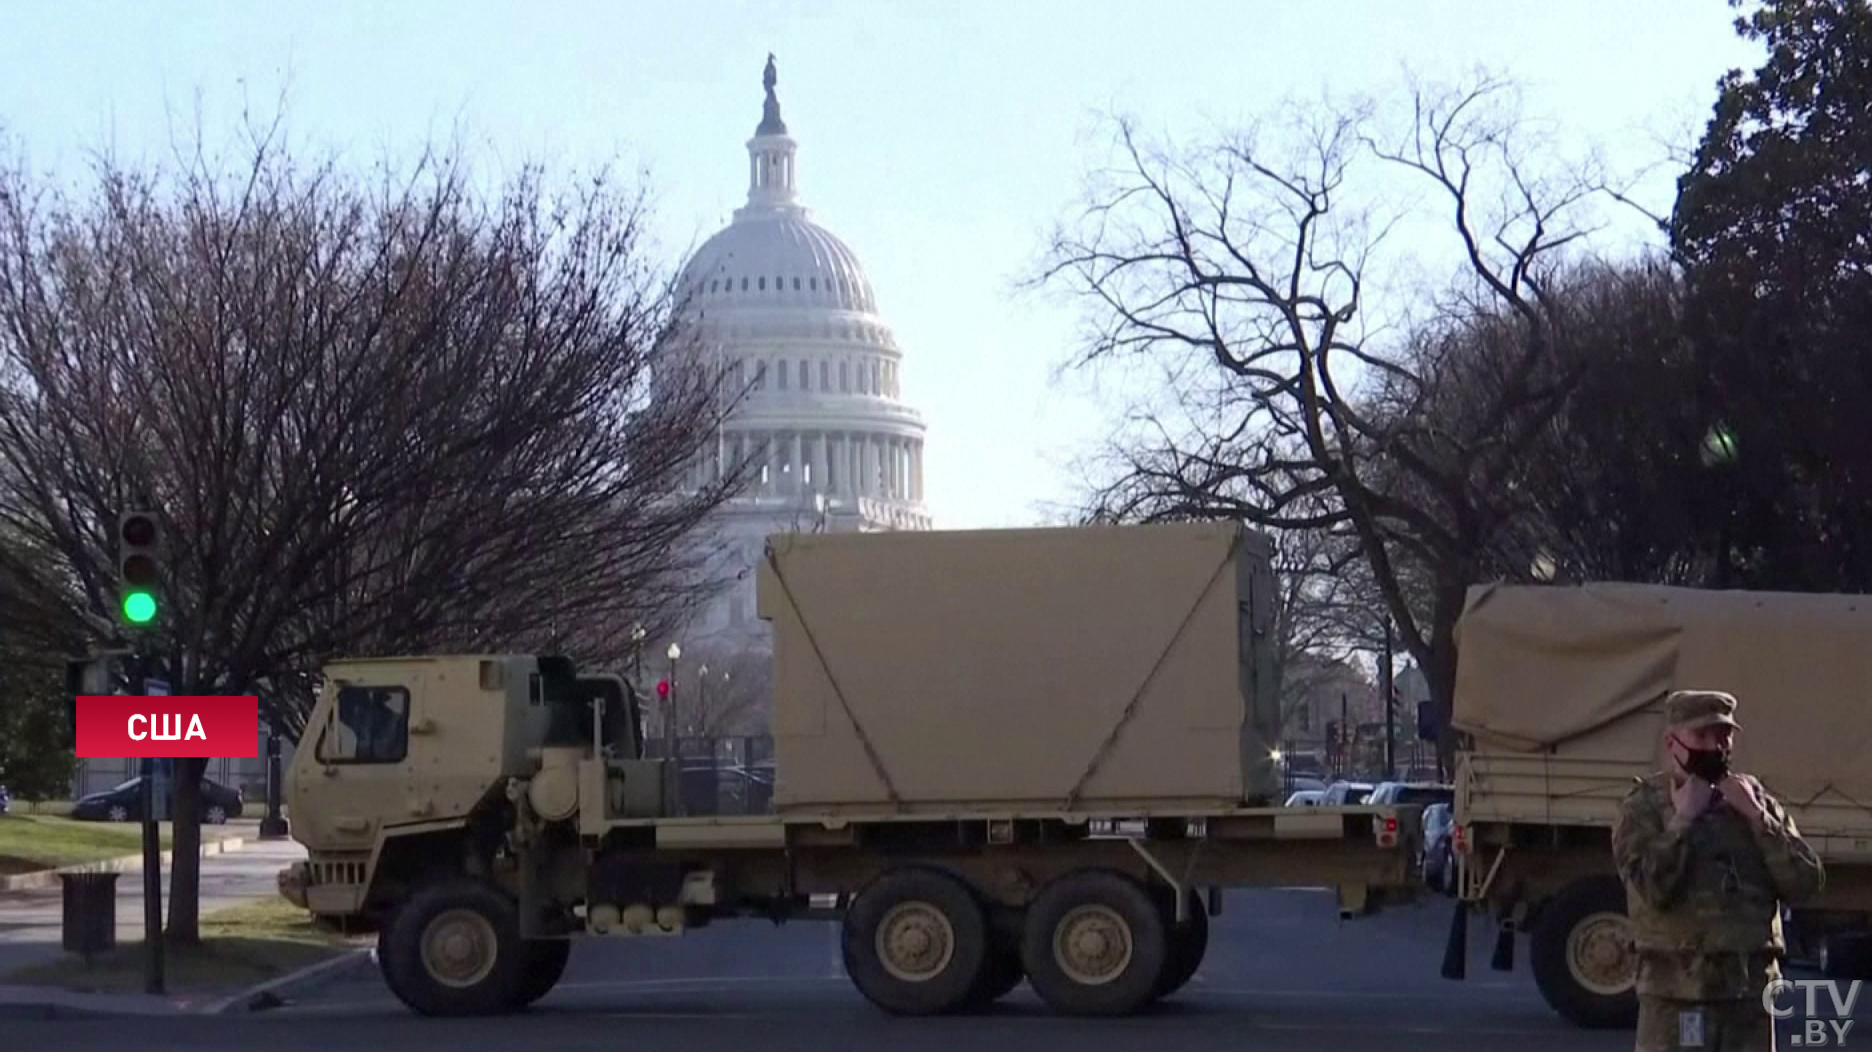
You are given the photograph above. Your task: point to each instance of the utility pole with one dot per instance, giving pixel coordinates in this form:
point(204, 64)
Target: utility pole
point(1388, 689)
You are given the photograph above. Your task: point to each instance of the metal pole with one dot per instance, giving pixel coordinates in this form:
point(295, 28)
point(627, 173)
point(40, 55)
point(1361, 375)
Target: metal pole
point(669, 715)
point(1390, 709)
point(152, 861)
point(1345, 736)
point(273, 825)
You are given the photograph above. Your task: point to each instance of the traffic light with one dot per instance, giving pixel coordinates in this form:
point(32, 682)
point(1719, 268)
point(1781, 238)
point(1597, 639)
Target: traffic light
point(139, 567)
point(662, 688)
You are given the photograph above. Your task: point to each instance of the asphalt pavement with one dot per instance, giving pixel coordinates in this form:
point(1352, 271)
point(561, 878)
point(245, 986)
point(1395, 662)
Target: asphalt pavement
point(1283, 972)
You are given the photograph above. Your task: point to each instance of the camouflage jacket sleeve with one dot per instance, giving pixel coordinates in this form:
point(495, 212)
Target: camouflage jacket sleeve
point(1653, 856)
point(1798, 873)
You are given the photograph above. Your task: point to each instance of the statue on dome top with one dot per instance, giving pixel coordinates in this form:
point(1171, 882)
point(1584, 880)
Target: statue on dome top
point(768, 76)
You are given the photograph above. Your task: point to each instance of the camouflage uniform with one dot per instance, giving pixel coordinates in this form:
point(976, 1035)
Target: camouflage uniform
point(1705, 903)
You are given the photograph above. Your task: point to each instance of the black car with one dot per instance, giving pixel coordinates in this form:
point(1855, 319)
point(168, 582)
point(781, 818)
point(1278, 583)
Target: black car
point(122, 803)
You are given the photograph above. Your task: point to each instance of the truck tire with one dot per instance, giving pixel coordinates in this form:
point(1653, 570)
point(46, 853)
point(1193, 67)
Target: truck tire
point(916, 942)
point(545, 964)
point(1581, 955)
point(454, 949)
point(1095, 944)
point(1189, 943)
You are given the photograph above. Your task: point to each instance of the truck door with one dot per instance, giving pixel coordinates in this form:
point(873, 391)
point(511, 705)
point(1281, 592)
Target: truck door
point(363, 774)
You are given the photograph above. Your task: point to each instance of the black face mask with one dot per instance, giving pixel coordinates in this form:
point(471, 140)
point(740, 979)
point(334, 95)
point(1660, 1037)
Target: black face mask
point(1711, 765)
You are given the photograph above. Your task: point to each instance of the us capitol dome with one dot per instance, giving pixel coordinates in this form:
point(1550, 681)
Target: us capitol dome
point(785, 307)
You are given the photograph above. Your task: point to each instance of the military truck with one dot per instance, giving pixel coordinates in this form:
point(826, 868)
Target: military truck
point(1006, 755)
point(1559, 697)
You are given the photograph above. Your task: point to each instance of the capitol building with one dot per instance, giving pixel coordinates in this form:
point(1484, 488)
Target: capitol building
point(786, 311)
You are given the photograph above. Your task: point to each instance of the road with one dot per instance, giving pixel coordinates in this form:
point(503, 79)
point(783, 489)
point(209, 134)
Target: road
point(1282, 973)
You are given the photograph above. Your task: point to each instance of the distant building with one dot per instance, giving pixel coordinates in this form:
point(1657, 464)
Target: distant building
point(785, 307)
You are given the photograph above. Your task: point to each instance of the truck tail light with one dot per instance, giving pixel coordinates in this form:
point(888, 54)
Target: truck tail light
point(1388, 832)
point(1459, 840)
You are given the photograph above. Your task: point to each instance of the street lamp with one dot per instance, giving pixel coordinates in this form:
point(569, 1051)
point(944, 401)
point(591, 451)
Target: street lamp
point(669, 714)
point(637, 642)
point(701, 697)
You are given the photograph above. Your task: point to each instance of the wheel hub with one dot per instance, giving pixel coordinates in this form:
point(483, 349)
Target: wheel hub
point(1599, 954)
point(915, 942)
point(1092, 945)
point(459, 948)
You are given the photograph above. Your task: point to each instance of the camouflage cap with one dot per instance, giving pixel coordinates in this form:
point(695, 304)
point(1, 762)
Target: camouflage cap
point(1700, 708)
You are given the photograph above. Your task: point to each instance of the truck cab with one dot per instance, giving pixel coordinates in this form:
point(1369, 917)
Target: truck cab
point(402, 753)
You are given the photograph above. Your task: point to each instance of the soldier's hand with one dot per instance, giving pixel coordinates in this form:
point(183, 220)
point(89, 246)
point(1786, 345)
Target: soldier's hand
point(1691, 798)
point(1741, 796)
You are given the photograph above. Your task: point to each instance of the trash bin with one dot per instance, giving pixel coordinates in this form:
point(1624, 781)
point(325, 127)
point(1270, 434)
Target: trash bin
point(90, 901)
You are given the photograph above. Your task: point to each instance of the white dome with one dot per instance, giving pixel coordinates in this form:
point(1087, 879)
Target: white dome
point(777, 258)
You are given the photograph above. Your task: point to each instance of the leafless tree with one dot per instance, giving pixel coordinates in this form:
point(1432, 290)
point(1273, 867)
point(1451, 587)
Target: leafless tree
point(375, 416)
point(724, 691)
point(1247, 273)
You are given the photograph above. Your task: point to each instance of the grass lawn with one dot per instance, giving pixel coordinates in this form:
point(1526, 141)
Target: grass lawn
point(35, 842)
point(32, 842)
point(240, 947)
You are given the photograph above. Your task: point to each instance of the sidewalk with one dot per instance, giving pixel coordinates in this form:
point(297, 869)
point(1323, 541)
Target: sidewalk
point(31, 922)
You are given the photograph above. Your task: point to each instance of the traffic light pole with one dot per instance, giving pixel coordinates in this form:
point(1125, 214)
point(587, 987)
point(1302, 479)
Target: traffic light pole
point(152, 856)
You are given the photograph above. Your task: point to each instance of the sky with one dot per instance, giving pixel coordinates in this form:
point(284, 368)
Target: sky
point(941, 141)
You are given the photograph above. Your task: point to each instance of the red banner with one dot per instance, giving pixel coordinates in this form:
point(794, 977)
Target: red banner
point(207, 727)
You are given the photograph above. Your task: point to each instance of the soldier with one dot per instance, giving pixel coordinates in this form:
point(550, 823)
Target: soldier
point(1708, 859)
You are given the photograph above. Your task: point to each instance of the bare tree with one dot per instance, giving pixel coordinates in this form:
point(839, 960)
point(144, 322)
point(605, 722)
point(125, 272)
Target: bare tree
point(1246, 271)
point(724, 691)
point(374, 417)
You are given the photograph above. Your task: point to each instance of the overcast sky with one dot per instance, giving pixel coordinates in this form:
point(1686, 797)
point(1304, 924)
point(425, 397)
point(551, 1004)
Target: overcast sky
point(940, 140)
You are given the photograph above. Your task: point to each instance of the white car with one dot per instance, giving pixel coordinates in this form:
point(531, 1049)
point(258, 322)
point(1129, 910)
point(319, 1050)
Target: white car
point(1306, 798)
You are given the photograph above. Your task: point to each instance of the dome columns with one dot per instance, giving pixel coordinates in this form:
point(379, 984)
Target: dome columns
point(842, 464)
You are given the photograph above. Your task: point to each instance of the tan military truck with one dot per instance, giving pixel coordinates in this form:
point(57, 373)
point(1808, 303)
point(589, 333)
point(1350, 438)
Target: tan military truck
point(1559, 695)
point(956, 717)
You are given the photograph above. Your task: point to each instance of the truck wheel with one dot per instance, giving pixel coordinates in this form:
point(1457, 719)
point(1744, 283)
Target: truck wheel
point(545, 964)
point(1189, 942)
point(916, 942)
point(454, 949)
point(1095, 944)
point(1581, 954)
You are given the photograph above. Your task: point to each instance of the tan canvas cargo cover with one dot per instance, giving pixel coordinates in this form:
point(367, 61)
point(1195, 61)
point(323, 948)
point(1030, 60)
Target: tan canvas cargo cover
point(1579, 670)
point(1027, 669)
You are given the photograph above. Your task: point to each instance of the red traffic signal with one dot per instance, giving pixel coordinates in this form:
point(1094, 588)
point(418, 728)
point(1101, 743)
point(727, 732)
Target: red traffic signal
point(662, 688)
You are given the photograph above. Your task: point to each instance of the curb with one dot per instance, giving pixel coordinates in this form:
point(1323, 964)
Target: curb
point(274, 992)
point(49, 878)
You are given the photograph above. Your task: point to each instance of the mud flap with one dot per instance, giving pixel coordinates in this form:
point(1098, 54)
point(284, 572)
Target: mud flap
point(1456, 953)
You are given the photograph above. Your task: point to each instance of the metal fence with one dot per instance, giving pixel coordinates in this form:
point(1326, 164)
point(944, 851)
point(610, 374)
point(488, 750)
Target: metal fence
point(730, 775)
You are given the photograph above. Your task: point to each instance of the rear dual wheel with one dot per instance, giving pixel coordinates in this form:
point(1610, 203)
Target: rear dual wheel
point(1097, 943)
point(917, 942)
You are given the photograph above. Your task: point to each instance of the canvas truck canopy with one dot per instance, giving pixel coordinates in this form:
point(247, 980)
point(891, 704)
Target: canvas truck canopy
point(1028, 669)
point(1585, 669)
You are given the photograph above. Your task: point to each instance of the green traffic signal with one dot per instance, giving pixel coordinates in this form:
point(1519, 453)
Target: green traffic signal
point(139, 608)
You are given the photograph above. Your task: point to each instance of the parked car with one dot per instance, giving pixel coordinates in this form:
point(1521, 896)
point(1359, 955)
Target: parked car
point(1346, 794)
point(1306, 798)
point(120, 803)
point(1439, 855)
point(6, 800)
point(1421, 794)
